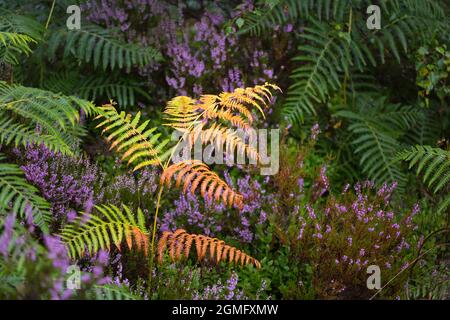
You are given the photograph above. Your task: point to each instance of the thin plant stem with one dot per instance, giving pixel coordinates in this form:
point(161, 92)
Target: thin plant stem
point(41, 69)
point(152, 246)
point(50, 15)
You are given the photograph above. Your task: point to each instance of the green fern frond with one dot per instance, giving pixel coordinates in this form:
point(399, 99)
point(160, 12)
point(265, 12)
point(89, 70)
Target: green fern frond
point(376, 128)
point(110, 227)
point(12, 45)
point(376, 150)
point(123, 91)
point(443, 205)
point(425, 131)
point(279, 12)
point(433, 163)
point(56, 115)
point(140, 144)
point(19, 196)
point(99, 46)
point(20, 24)
point(326, 55)
point(13, 133)
point(97, 87)
point(407, 21)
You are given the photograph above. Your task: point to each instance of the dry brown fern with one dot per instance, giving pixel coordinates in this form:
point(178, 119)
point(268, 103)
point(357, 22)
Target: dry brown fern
point(179, 244)
point(195, 173)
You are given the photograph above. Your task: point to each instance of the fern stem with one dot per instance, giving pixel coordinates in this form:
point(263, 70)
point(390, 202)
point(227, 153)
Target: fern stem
point(158, 202)
point(50, 15)
point(152, 246)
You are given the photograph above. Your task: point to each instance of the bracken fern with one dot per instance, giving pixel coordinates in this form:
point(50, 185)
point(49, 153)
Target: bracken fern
point(18, 195)
point(433, 163)
point(111, 226)
point(180, 243)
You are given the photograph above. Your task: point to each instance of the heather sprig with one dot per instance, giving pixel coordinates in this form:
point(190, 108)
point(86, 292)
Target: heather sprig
point(343, 236)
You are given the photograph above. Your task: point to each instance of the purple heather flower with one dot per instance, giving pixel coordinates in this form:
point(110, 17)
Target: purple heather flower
point(231, 286)
point(310, 210)
point(6, 236)
point(300, 183)
point(288, 28)
point(315, 130)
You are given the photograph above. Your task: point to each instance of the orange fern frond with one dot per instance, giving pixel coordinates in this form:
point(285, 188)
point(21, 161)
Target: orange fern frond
point(218, 250)
point(195, 173)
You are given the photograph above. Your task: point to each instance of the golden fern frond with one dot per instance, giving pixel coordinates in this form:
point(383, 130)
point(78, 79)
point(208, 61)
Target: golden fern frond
point(241, 99)
point(140, 144)
point(180, 241)
point(181, 112)
point(195, 173)
point(222, 138)
point(110, 226)
point(226, 115)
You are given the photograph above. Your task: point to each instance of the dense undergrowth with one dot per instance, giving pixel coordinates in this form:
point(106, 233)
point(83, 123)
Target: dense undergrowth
point(88, 180)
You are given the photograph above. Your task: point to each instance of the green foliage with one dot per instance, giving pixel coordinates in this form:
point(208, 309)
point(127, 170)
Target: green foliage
point(20, 24)
point(376, 128)
point(13, 44)
point(403, 15)
point(24, 110)
point(175, 281)
point(433, 68)
point(94, 87)
point(276, 12)
point(426, 130)
point(433, 163)
point(141, 144)
point(336, 42)
point(328, 54)
point(113, 292)
point(96, 232)
point(19, 196)
point(97, 45)
point(17, 34)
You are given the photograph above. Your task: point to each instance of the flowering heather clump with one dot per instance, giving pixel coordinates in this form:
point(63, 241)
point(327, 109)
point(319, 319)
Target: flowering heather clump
point(204, 56)
point(344, 236)
point(218, 291)
point(44, 267)
point(128, 16)
point(67, 190)
point(209, 56)
point(123, 187)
